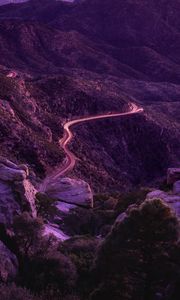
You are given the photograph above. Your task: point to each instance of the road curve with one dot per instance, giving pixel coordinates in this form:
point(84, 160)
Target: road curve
point(68, 135)
point(70, 159)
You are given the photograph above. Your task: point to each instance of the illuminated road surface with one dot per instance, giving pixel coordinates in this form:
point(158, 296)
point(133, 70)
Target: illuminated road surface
point(70, 159)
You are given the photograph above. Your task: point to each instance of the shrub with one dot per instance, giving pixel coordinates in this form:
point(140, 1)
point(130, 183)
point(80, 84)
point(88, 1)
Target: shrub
point(54, 272)
point(132, 197)
point(12, 292)
point(45, 206)
point(81, 249)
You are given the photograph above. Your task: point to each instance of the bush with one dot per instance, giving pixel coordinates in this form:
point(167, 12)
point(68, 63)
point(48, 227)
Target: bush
point(132, 197)
point(46, 207)
point(54, 271)
point(81, 250)
point(12, 292)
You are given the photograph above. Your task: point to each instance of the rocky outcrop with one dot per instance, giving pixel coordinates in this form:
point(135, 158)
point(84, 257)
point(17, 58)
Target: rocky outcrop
point(72, 191)
point(173, 175)
point(17, 193)
point(8, 264)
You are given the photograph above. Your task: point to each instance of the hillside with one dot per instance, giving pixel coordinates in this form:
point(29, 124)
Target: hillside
point(75, 60)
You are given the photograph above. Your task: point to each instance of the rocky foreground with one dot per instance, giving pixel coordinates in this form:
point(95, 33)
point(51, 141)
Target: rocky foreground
point(72, 199)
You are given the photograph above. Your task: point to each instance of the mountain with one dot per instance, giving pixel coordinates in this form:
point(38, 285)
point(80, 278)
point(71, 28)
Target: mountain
point(90, 57)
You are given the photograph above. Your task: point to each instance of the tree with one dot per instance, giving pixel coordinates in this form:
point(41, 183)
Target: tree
point(28, 233)
point(46, 207)
point(136, 260)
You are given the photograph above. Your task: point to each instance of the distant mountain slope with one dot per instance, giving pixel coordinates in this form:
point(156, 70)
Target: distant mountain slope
point(41, 49)
point(142, 36)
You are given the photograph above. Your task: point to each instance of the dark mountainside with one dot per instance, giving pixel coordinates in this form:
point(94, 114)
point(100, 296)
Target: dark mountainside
point(112, 53)
point(107, 228)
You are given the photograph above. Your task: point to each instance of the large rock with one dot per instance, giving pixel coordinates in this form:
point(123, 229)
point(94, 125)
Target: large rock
point(53, 229)
point(77, 192)
point(69, 195)
point(12, 172)
point(8, 264)
point(173, 175)
point(17, 194)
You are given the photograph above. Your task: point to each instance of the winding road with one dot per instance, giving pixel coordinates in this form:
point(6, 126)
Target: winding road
point(70, 159)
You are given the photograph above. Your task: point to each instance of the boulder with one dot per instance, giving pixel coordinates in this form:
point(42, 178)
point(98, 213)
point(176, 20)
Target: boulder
point(72, 191)
point(10, 174)
point(53, 229)
point(17, 193)
point(173, 175)
point(8, 264)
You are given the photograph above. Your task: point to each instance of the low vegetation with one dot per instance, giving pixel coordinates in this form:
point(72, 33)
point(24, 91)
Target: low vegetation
point(137, 258)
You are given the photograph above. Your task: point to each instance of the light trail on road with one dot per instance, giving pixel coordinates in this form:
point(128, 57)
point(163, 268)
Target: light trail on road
point(70, 159)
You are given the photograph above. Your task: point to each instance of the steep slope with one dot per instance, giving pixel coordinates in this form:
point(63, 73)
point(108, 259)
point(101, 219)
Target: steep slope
point(113, 153)
point(42, 49)
point(32, 112)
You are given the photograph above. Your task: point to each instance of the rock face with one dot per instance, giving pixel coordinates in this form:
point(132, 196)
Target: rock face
point(16, 191)
point(8, 264)
point(71, 191)
point(173, 175)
